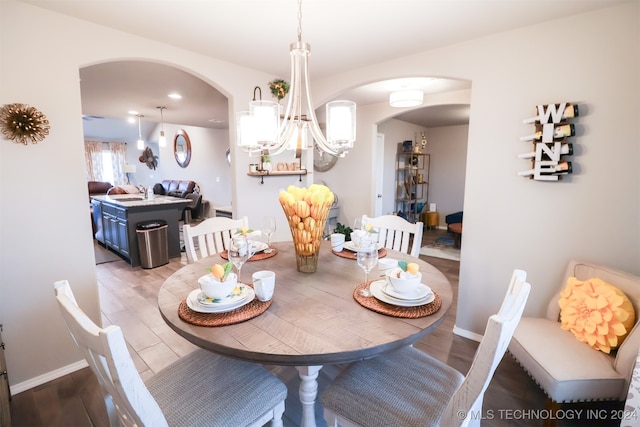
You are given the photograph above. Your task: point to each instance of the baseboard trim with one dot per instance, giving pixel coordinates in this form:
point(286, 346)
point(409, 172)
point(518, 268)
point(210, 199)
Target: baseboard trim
point(49, 376)
point(467, 334)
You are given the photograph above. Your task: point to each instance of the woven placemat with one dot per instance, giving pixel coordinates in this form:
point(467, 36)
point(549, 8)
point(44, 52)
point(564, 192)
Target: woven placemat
point(257, 257)
point(353, 255)
point(372, 303)
point(246, 312)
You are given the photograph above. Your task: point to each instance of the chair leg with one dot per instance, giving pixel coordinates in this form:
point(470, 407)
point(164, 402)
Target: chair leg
point(553, 408)
point(278, 411)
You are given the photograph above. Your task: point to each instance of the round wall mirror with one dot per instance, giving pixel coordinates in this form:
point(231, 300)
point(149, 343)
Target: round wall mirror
point(182, 148)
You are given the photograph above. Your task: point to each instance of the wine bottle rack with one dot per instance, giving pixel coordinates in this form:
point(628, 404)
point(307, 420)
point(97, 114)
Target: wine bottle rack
point(552, 128)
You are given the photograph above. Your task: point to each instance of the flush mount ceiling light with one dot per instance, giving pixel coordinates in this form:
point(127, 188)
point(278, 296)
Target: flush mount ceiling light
point(263, 127)
point(162, 141)
point(406, 98)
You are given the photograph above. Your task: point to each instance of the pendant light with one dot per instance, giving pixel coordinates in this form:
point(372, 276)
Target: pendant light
point(264, 127)
point(140, 143)
point(162, 141)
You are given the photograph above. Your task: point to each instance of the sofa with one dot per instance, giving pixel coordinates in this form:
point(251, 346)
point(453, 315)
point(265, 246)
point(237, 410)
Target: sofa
point(177, 188)
point(124, 189)
point(185, 189)
point(98, 188)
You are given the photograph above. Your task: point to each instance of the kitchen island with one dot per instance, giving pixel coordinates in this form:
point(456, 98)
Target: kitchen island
point(120, 214)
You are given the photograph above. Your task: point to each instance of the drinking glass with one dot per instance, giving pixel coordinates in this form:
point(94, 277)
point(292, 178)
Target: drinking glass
point(268, 228)
point(357, 224)
point(239, 253)
point(367, 256)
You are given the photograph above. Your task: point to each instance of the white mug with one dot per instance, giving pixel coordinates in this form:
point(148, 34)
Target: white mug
point(337, 242)
point(264, 283)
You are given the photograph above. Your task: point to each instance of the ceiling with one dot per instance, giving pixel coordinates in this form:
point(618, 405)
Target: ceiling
point(343, 34)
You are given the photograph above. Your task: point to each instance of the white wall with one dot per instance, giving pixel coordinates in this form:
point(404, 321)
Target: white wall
point(510, 222)
point(395, 131)
point(448, 148)
point(48, 237)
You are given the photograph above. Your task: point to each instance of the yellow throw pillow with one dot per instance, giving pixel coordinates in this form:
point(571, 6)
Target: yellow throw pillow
point(596, 312)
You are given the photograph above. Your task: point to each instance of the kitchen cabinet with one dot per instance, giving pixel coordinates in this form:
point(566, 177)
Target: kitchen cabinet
point(122, 213)
point(116, 236)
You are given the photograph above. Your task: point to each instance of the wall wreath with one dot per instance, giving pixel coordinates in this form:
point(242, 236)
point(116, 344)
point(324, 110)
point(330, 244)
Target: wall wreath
point(23, 123)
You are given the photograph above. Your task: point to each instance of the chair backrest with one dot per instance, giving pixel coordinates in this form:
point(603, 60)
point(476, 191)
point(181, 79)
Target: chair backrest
point(395, 233)
point(211, 236)
point(106, 352)
point(629, 284)
point(494, 343)
point(194, 200)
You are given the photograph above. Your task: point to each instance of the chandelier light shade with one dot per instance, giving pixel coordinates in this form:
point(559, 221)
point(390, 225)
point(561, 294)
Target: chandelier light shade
point(140, 142)
point(162, 141)
point(341, 124)
point(268, 128)
point(406, 98)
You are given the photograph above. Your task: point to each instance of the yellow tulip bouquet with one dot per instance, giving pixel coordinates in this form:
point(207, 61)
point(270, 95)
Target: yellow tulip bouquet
point(306, 211)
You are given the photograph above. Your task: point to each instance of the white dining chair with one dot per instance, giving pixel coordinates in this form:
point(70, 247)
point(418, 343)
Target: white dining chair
point(211, 236)
point(410, 388)
point(396, 233)
point(200, 389)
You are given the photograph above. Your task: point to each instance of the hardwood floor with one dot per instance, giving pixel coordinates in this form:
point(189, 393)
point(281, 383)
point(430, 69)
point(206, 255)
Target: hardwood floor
point(128, 299)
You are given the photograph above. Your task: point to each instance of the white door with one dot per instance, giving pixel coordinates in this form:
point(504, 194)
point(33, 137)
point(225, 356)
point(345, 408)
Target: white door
point(379, 178)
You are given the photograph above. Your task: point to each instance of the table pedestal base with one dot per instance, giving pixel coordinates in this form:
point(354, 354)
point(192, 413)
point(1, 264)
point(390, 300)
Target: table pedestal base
point(308, 392)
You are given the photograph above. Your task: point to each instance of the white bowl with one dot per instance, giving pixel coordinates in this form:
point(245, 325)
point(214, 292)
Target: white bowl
point(356, 236)
point(404, 284)
point(214, 288)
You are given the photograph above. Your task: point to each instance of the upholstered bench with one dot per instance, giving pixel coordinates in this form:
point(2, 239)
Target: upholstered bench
point(569, 370)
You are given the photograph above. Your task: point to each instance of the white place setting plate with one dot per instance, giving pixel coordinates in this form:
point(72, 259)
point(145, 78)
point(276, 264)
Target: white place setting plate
point(257, 246)
point(193, 304)
point(239, 293)
point(350, 246)
point(420, 292)
point(377, 291)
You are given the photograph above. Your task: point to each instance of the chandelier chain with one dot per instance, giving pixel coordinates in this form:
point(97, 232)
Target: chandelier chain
point(299, 20)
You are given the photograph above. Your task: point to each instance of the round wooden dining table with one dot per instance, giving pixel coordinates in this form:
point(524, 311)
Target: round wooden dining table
point(313, 319)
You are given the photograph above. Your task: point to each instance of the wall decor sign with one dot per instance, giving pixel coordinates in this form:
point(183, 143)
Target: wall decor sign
point(23, 123)
point(150, 159)
point(550, 146)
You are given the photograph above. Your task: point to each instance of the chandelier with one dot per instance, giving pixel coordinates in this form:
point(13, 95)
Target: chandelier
point(266, 128)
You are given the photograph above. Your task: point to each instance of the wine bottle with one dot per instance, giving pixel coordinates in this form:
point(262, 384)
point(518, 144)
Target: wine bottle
point(565, 150)
point(559, 132)
point(562, 168)
point(570, 111)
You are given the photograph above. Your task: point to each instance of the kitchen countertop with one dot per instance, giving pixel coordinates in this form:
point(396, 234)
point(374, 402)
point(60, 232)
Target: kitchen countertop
point(137, 200)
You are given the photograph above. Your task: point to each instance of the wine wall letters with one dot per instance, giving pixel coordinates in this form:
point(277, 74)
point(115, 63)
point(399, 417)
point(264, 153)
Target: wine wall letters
point(550, 146)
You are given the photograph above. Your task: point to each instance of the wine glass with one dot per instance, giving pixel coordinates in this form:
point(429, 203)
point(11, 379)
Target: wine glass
point(239, 253)
point(367, 256)
point(268, 228)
